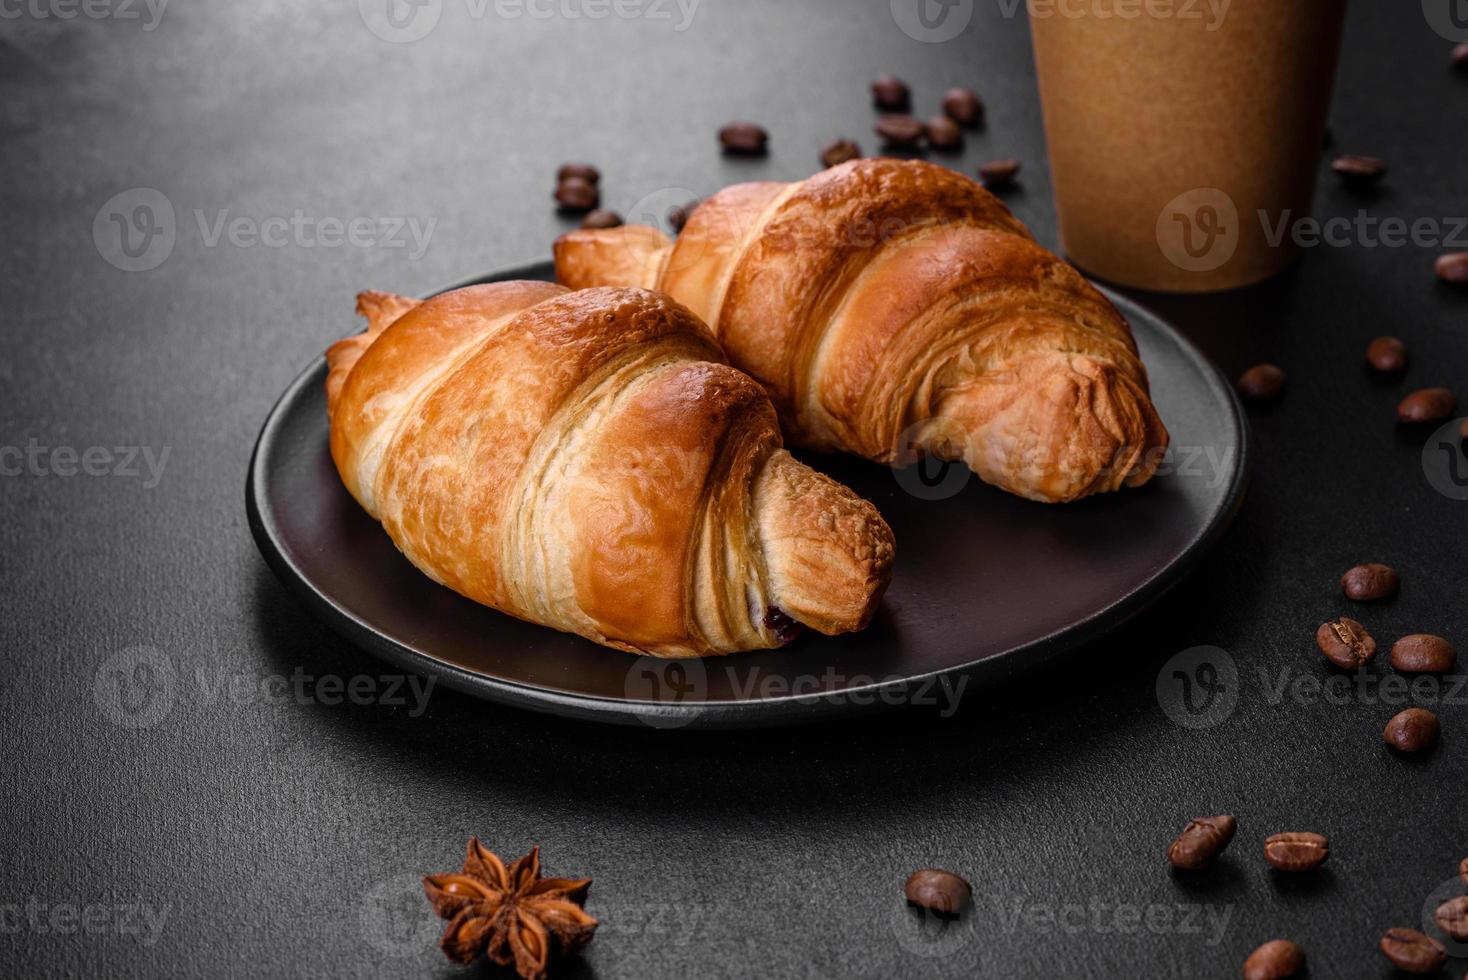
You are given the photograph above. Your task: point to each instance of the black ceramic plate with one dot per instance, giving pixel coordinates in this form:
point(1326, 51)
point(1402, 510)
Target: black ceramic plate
point(984, 581)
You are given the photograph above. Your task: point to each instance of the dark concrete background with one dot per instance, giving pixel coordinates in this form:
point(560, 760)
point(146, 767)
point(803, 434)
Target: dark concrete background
point(273, 834)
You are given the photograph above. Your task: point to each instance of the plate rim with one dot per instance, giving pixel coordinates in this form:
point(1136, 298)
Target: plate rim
point(754, 712)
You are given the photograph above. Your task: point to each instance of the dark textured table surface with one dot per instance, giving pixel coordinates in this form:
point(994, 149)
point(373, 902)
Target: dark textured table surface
point(234, 822)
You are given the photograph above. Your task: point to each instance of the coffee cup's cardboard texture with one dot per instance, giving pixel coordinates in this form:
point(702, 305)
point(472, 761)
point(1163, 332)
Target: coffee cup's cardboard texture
point(1184, 135)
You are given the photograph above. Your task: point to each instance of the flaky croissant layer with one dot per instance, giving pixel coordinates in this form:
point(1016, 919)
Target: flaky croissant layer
point(893, 308)
point(588, 462)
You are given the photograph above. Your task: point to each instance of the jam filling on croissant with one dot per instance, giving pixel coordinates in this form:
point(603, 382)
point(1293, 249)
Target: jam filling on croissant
point(784, 628)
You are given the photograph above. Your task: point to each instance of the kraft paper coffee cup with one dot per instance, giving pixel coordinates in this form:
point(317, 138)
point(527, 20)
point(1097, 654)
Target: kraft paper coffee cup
point(1183, 132)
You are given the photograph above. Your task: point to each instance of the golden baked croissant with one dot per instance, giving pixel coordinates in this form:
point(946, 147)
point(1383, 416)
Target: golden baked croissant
point(894, 308)
point(588, 462)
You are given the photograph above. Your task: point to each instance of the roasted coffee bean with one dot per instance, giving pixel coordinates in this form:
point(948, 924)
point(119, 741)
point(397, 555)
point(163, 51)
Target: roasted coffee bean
point(601, 218)
point(1262, 383)
point(678, 215)
point(1275, 960)
point(1460, 56)
point(939, 891)
point(744, 139)
point(1414, 730)
point(1370, 581)
point(1423, 653)
point(999, 173)
point(1453, 268)
point(577, 194)
point(1201, 841)
point(585, 171)
point(1387, 355)
point(1345, 643)
point(1427, 405)
point(901, 132)
point(944, 134)
point(1359, 171)
point(1463, 870)
point(1452, 916)
point(891, 94)
point(1412, 951)
point(964, 107)
point(1296, 851)
point(839, 152)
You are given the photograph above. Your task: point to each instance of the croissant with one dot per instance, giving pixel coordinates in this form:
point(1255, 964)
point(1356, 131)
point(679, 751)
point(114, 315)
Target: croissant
point(587, 461)
point(895, 308)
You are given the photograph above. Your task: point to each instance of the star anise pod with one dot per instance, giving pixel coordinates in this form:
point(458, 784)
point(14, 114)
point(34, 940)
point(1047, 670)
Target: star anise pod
point(511, 915)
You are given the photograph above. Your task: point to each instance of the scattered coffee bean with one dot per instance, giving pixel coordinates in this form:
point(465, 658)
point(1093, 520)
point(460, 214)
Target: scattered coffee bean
point(601, 218)
point(1463, 870)
point(1359, 171)
point(1345, 643)
point(1463, 430)
point(1201, 841)
point(1387, 355)
point(839, 152)
point(964, 107)
point(744, 139)
point(1423, 653)
point(1275, 960)
point(1412, 951)
point(891, 94)
point(577, 194)
point(901, 132)
point(1414, 730)
point(999, 173)
point(944, 134)
point(1460, 56)
point(1368, 582)
point(1427, 405)
point(1262, 383)
point(1453, 268)
point(1296, 851)
point(585, 171)
point(1452, 916)
point(678, 215)
point(939, 891)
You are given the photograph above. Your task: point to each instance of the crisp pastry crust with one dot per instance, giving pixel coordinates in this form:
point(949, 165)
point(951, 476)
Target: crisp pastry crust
point(894, 308)
point(588, 462)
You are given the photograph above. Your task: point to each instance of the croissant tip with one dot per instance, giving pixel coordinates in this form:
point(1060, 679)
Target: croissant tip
point(829, 551)
point(366, 299)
